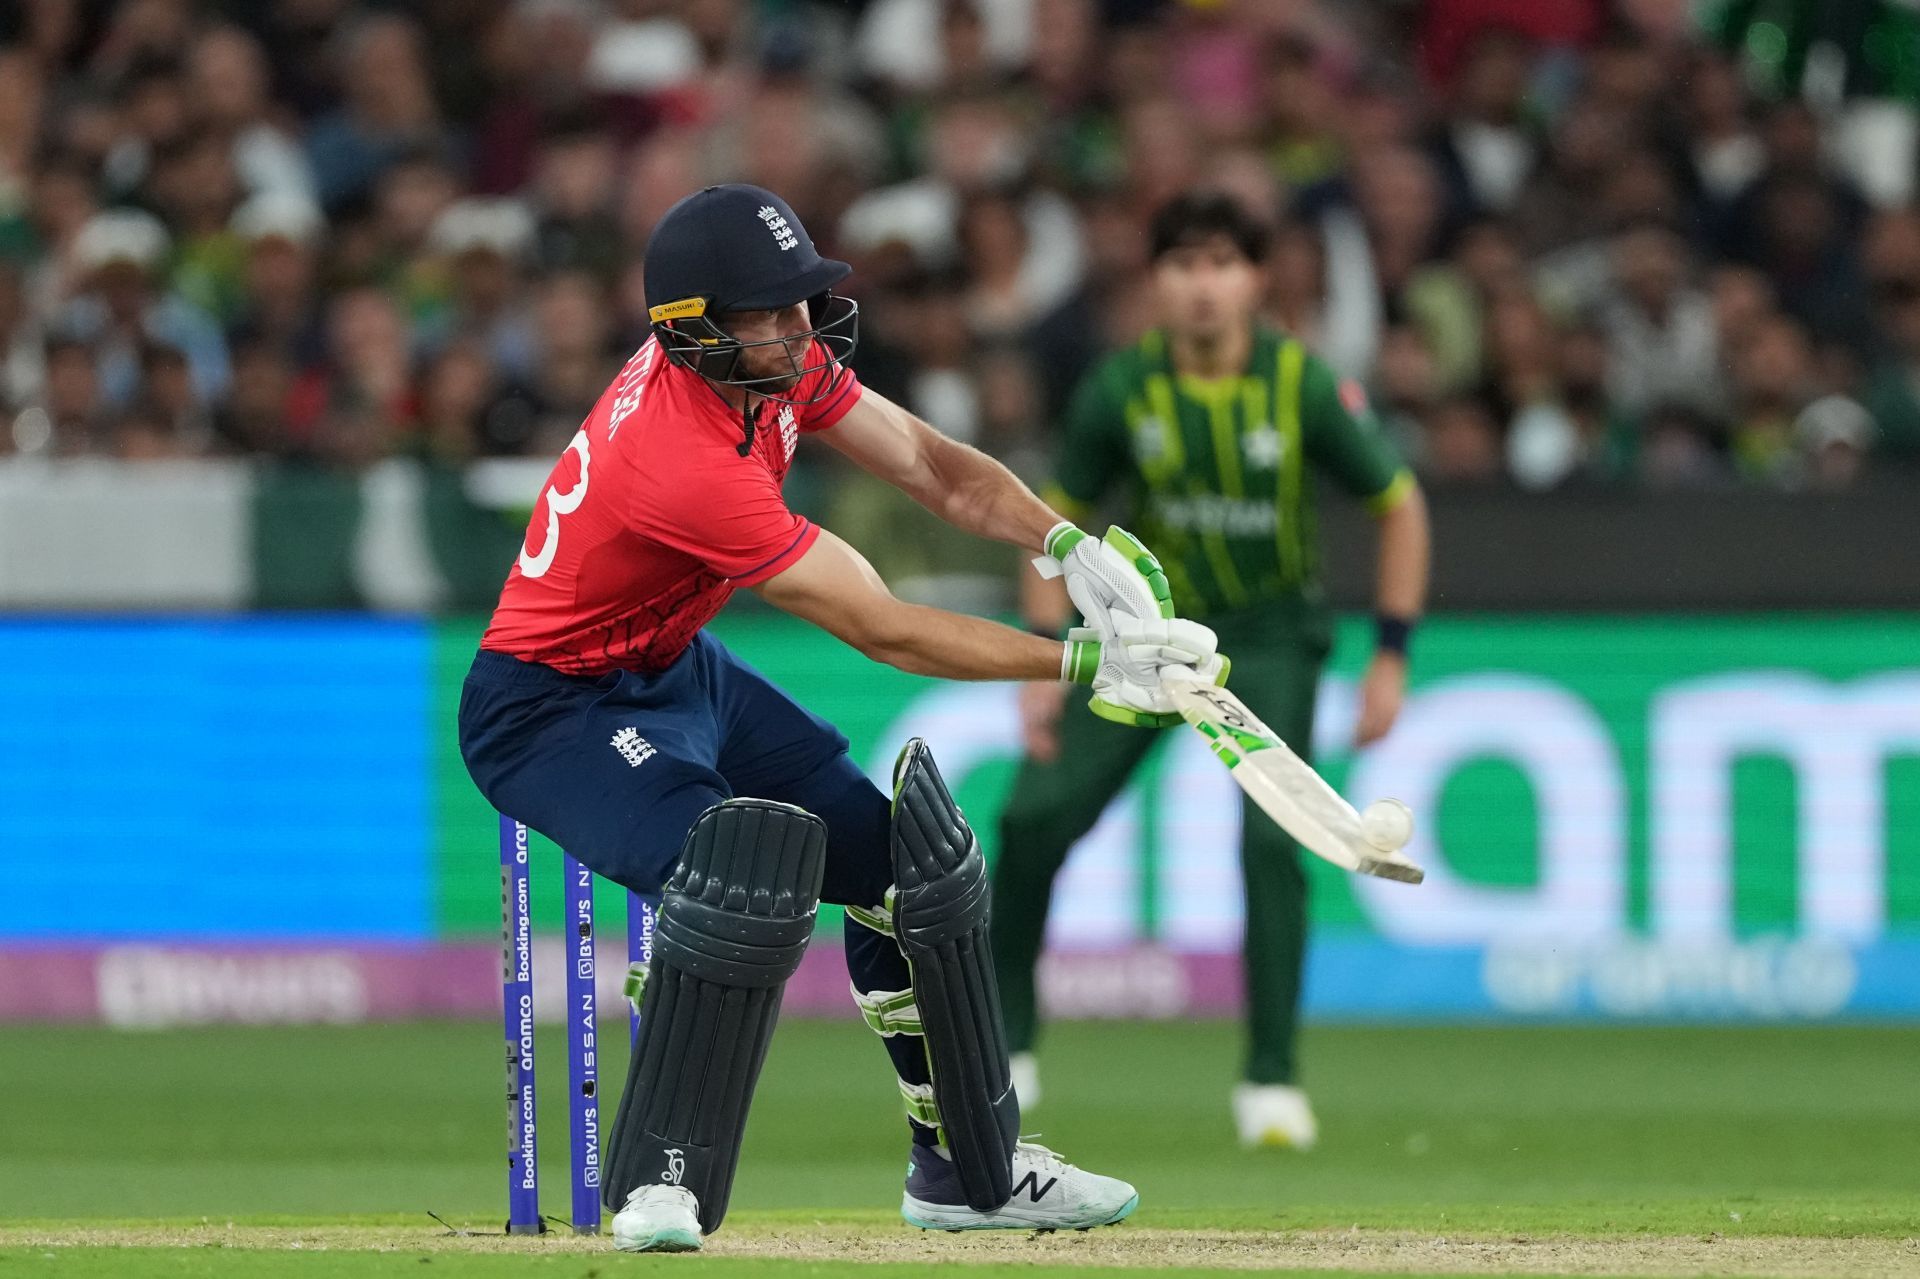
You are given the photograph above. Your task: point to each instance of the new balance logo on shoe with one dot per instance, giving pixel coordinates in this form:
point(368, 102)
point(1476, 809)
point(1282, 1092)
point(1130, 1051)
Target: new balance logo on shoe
point(1031, 1184)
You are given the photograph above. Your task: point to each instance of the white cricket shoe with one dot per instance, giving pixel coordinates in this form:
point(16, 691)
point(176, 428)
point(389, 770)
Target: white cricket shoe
point(1274, 1115)
point(1026, 1079)
point(658, 1218)
point(1048, 1194)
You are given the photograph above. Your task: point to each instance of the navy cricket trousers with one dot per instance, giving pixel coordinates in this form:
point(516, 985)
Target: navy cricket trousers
point(616, 769)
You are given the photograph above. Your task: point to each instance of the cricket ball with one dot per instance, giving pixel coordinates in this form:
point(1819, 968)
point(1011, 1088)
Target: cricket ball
point(1387, 824)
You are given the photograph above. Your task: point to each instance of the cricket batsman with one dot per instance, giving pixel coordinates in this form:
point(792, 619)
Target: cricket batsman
point(601, 712)
point(1205, 433)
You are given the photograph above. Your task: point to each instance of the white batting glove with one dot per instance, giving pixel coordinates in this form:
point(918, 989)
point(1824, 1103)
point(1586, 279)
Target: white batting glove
point(1107, 578)
point(1126, 673)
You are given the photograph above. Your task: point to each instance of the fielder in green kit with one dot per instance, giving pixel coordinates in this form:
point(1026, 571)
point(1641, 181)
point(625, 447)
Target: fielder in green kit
point(1204, 434)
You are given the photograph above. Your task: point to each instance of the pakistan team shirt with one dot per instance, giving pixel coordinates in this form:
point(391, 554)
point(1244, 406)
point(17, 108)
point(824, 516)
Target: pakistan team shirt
point(1214, 470)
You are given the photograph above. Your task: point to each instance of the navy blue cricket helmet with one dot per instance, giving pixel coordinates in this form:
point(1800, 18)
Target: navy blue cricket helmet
point(740, 248)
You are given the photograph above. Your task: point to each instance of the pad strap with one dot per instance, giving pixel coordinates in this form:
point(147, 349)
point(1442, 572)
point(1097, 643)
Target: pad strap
point(889, 1012)
point(879, 919)
point(921, 1107)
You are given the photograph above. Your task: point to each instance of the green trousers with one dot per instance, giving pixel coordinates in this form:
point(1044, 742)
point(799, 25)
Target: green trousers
point(1276, 669)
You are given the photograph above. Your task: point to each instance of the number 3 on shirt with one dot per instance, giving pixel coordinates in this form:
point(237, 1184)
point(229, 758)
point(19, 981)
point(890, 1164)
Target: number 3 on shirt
point(558, 504)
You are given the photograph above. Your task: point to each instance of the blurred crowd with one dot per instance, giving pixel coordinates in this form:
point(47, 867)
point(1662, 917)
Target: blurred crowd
point(1648, 243)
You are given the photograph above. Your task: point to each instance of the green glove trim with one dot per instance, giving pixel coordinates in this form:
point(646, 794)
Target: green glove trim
point(1144, 560)
point(1129, 716)
point(1062, 540)
point(1080, 661)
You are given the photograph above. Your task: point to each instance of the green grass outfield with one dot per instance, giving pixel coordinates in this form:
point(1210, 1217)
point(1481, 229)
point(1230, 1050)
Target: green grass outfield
point(319, 1152)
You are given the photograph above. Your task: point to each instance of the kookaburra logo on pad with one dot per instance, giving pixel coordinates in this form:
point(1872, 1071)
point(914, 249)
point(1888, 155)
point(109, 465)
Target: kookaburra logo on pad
point(676, 1167)
point(782, 233)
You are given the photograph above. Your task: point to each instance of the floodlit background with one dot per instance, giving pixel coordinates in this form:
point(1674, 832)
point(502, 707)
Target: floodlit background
point(299, 299)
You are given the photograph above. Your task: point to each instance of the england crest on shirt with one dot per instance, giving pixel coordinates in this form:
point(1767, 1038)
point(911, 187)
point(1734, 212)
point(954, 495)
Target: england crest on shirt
point(789, 433)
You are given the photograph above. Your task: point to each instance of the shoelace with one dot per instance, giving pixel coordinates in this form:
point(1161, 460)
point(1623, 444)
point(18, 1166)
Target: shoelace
point(1049, 1161)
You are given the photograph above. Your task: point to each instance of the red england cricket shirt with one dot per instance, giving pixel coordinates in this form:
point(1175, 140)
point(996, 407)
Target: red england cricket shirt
point(651, 519)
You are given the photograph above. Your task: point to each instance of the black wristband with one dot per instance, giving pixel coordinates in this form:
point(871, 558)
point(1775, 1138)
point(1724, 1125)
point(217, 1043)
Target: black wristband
point(1391, 634)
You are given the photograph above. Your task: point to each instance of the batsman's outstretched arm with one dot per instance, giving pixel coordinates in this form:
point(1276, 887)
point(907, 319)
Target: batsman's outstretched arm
point(960, 484)
point(834, 587)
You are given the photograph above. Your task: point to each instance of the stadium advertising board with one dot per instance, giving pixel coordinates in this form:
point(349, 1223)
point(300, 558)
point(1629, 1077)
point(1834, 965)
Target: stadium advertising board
point(1621, 817)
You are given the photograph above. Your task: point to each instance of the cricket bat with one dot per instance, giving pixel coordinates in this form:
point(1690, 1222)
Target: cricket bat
point(1280, 782)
